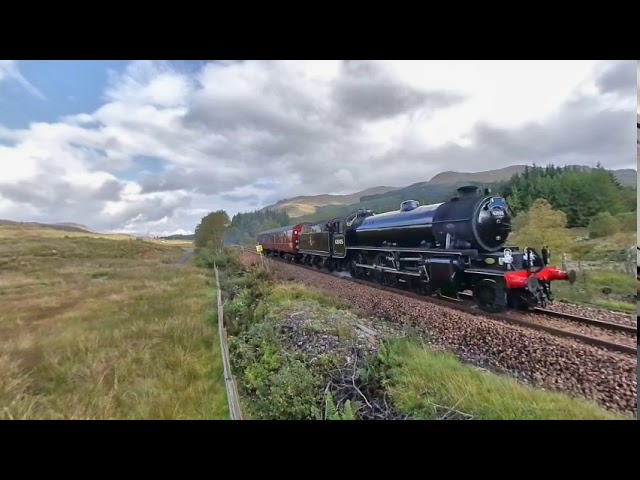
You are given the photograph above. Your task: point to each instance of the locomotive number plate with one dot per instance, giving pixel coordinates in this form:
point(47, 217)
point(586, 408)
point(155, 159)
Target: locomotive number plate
point(339, 241)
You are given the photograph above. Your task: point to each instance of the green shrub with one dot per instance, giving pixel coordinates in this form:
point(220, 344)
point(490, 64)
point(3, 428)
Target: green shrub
point(280, 384)
point(603, 225)
point(332, 412)
point(224, 259)
point(628, 221)
point(293, 393)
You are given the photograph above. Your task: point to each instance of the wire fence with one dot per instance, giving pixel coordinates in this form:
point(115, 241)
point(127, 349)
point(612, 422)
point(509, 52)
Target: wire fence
point(229, 381)
point(622, 266)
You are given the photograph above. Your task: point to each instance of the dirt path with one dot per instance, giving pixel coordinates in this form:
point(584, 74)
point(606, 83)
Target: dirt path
point(183, 259)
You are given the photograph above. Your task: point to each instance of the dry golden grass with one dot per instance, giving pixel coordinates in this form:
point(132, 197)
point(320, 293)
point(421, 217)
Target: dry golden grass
point(21, 232)
point(94, 328)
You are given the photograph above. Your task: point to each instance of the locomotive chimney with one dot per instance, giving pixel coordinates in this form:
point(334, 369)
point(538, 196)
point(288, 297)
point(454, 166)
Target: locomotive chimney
point(467, 191)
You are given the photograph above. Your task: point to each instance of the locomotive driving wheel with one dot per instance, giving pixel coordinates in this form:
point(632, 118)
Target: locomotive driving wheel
point(379, 275)
point(485, 293)
point(391, 279)
point(354, 270)
point(420, 287)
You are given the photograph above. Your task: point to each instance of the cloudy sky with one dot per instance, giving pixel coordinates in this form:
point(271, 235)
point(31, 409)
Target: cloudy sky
point(150, 146)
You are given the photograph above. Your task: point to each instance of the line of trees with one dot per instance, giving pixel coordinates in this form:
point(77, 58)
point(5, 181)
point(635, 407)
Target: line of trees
point(244, 227)
point(215, 229)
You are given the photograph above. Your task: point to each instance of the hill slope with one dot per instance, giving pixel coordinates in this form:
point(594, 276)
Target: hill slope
point(64, 227)
point(449, 178)
point(627, 177)
point(75, 225)
point(304, 205)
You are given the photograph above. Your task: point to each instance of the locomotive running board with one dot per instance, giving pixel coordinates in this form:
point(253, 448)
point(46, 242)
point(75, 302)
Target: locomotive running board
point(387, 269)
point(313, 252)
point(418, 250)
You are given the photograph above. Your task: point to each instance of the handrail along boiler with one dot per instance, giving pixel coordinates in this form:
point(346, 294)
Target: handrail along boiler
point(445, 248)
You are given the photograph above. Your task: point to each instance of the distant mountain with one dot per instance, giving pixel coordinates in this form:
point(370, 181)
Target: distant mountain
point(627, 177)
point(65, 227)
point(298, 206)
point(76, 225)
point(490, 176)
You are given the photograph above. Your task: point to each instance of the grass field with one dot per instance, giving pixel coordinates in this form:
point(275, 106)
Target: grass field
point(428, 383)
point(104, 328)
point(589, 285)
point(603, 267)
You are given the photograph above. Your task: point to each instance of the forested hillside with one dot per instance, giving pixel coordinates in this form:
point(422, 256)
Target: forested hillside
point(580, 194)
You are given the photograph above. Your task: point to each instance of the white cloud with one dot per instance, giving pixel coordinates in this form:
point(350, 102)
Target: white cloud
point(9, 72)
point(240, 135)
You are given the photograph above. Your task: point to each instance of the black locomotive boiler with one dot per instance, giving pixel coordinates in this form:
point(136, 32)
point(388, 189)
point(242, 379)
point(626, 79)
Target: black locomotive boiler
point(442, 248)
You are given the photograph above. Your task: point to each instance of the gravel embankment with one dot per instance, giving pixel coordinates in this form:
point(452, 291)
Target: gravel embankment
point(592, 312)
point(608, 378)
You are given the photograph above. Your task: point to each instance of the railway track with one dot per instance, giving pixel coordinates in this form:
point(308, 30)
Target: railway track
point(463, 304)
point(612, 326)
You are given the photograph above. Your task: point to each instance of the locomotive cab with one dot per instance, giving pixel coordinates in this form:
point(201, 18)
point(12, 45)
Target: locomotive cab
point(409, 205)
point(354, 220)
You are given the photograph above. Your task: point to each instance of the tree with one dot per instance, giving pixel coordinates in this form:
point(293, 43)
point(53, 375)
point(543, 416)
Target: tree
point(513, 200)
point(541, 225)
point(269, 225)
point(603, 225)
point(245, 226)
point(210, 231)
point(232, 236)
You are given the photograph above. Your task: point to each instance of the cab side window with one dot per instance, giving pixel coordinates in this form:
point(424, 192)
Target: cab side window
point(350, 218)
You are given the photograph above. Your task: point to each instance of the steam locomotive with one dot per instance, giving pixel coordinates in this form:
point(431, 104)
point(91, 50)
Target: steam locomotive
point(444, 248)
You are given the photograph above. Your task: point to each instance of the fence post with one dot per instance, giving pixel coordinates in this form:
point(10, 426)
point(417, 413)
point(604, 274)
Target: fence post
point(229, 381)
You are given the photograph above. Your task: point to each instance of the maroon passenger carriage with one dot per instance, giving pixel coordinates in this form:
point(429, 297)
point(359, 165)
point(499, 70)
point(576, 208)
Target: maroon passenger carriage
point(282, 241)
